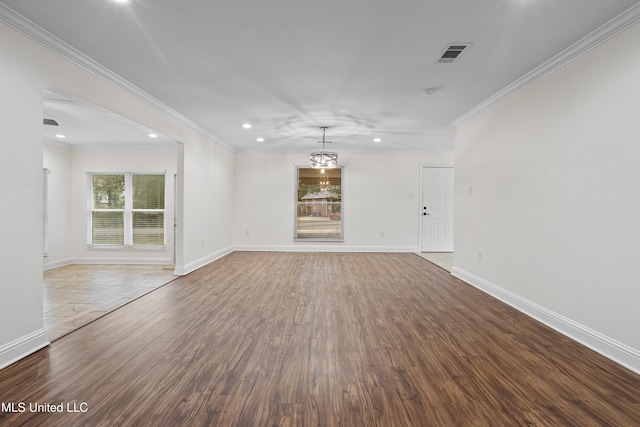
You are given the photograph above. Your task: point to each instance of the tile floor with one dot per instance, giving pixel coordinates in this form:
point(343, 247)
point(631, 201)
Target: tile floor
point(441, 259)
point(75, 295)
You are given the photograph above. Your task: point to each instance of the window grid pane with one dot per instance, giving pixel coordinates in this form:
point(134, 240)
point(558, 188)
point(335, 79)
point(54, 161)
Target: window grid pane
point(148, 228)
point(319, 204)
point(108, 191)
point(127, 209)
point(148, 191)
point(107, 228)
point(319, 220)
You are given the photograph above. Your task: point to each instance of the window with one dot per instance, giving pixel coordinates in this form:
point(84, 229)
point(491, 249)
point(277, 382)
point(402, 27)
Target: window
point(319, 204)
point(126, 209)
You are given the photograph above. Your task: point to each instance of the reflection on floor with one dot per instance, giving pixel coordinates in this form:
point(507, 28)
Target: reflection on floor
point(441, 259)
point(75, 295)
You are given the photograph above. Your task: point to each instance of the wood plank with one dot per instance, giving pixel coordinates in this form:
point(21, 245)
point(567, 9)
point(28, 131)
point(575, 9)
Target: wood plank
point(320, 339)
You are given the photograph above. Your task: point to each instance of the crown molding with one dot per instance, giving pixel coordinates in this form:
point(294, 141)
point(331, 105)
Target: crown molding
point(41, 36)
point(610, 29)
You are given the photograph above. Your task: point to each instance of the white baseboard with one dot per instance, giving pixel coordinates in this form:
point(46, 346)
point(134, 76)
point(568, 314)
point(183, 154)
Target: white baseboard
point(23, 346)
point(315, 247)
point(300, 247)
point(618, 352)
point(55, 264)
point(192, 266)
point(101, 260)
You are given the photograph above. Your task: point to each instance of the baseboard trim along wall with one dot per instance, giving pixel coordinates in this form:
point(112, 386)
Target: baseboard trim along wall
point(22, 347)
point(98, 261)
point(55, 264)
point(329, 247)
point(608, 347)
point(192, 266)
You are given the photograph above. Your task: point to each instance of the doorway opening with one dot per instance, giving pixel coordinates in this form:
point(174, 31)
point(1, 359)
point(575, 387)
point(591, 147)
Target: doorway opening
point(437, 215)
point(86, 278)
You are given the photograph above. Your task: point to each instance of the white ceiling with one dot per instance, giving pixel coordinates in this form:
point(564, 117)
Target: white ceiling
point(289, 67)
point(80, 124)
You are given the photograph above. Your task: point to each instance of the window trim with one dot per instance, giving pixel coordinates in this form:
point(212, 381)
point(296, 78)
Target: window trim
point(128, 211)
point(296, 174)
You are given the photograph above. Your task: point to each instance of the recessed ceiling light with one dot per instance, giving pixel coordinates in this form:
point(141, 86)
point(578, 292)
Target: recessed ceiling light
point(377, 140)
point(60, 136)
point(122, 1)
point(260, 139)
point(153, 135)
point(246, 125)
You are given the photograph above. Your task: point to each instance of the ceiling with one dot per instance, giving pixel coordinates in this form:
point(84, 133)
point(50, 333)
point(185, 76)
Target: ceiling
point(80, 124)
point(365, 68)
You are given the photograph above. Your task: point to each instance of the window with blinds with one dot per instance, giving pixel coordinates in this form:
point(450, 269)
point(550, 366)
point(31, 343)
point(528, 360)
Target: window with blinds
point(127, 209)
point(148, 209)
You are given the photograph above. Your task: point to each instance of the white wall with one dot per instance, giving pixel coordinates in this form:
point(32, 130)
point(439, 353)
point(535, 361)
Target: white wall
point(57, 158)
point(376, 197)
point(21, 214)
point(555, 202)
point(120, 159)
point(218, 187)
point(68, 200)
point(26, 67)
point(208, 205)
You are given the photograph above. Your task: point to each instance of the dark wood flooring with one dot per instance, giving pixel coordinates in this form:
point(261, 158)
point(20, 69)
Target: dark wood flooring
point(319, 339)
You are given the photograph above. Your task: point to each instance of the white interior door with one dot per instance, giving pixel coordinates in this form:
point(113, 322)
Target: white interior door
point(437, 210)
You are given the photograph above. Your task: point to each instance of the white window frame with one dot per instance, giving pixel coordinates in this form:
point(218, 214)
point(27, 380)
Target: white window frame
point(127, 211)
point(295, 208)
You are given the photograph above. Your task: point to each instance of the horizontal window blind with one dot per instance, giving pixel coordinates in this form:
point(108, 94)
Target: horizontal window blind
point(148, 228)
point(107, 228)
point(127, 209)
point(148, 191)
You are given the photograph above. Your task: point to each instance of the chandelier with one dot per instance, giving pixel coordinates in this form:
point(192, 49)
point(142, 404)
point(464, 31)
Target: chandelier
point(324, 159)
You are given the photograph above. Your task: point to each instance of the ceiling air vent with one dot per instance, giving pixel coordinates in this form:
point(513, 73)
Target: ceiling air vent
point(452, 52)
point(49, 122)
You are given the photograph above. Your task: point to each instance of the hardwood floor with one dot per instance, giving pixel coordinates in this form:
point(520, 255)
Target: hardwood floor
point(77, 294)
point(319, 339)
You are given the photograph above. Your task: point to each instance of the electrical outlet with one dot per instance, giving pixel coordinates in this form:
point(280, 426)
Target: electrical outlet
point(202, 243)
point(382, 234)
point(247, 233)
point(479, 255)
